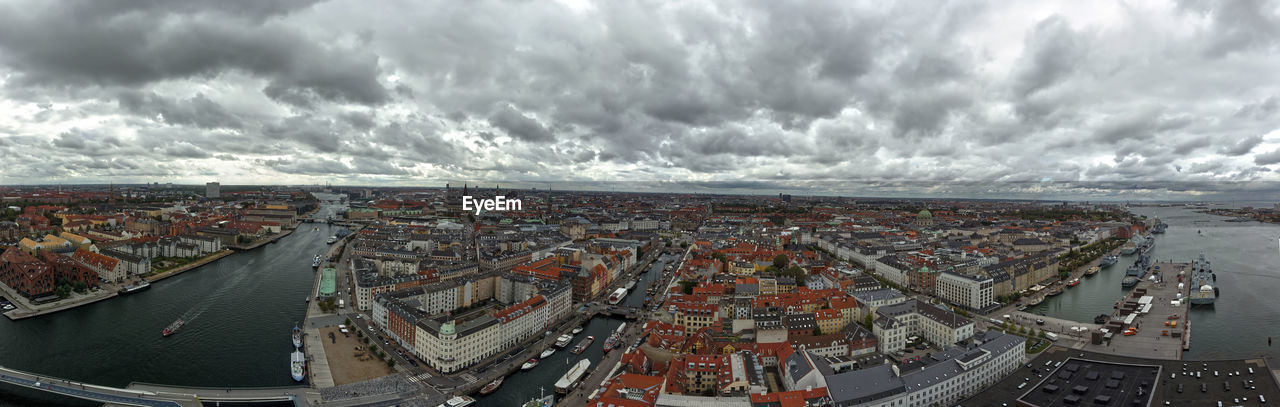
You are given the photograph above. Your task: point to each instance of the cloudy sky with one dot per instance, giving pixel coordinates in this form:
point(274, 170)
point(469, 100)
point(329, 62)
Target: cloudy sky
point(768, 93)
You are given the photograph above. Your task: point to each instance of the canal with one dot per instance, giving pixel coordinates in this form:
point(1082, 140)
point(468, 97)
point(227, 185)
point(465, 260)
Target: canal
point(243, 307)
point(522, 386)
point(1243, 255)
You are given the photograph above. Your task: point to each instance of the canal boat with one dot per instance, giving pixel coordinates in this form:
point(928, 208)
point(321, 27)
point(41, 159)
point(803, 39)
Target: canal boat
point(173, 327)
point(532, 363)
point(315, 263)
point(577, 330)
point(297, 336)
point(582, 346)
point(573, 376)
point(133, 288)
point(492, 386)
point(1074, 282)
point(617, 296)
point(298, 365)
point(543, 400)
point(458, 401)
point(546, 353)
point(563, 340)
point(1054, 291)
point(332, 240)
point(1092, 270)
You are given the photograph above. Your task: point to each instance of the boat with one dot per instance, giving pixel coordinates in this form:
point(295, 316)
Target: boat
point(332, 240)
point(1108, 261)
point(543, 400)
point(630, 284)
point(1101, 319)
point(492, 386)
point(547, 353)
point(297, 336)
point(458, 401)
point(614, 339)
point(532, 363)
point(1129, 248)
point(133, 288)
point(582, 346)
point(1129, 282)
point(1159, 227)
point(298, 365)
point(315, 263)
point(1054, 291)
point(1091, 271)
point(173, 327)
point(563, 340)
point(573, 376)
point(1074, 282)
point(1202, 279)
point(1035, 301)
point(577, 330)
point(617, 296)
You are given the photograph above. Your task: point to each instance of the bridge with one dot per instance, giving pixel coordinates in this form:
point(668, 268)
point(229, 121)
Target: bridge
point(149, 395)
point(622, 312)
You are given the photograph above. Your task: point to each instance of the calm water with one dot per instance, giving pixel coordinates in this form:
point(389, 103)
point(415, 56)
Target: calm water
point(522, 386)
point(1244, 256)
point(244, 304)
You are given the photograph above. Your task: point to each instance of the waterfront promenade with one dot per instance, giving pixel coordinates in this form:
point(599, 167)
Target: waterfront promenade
point(190, 266)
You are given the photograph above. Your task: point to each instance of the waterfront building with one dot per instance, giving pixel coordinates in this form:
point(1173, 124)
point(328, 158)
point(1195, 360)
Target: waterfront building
point(449, 345)
point(108, 268)
point(25, 274)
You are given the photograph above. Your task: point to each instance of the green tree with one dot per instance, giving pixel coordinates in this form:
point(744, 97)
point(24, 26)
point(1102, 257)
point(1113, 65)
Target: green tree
point(817, 330)
point(391, 362)
point(866, 322)
point(686, 287)
point(780, 261)
point(1042, 335)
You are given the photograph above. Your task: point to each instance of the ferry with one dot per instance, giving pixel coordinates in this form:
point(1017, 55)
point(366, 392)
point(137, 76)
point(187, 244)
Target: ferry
point(133, 288)
point(543, 400)
point(547, 353)
point(617, 296)
point(298, 365)
point(573, 376)
point(173, 327)
point(297, 336)
point(532, 363)
point(492, 386)
point(1074, 282)
point(582, 346)
point(563, 340)
point(458, 401)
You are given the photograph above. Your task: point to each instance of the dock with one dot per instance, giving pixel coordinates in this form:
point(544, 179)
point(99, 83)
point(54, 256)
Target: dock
point(1156, 337)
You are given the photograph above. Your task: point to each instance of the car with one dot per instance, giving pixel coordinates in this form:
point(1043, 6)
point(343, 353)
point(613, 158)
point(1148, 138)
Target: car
point(1024, 384)
point(1204, 388)
point(1039, 321)
point(1179, 388)
point(1028, 366)
point(1215, 373)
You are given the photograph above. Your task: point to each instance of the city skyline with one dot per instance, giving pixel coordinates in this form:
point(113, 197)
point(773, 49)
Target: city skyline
point(971, 97)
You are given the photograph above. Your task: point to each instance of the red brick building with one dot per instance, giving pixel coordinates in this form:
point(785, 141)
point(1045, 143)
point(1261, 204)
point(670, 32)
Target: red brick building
point(25, 274)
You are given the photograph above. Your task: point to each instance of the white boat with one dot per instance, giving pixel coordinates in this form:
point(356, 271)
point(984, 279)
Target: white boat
point(532, 363)
point(297, 336)
point(543, 400)
point(315, 263)
point(573, 376)
point(563, 340)
point(298, 365)
point(617, 296)
point(547, 353)
point(332, 240)
point(458, 401)
point(577, 330)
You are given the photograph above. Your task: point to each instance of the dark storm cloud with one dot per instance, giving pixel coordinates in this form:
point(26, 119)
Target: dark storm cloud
point(759, 94)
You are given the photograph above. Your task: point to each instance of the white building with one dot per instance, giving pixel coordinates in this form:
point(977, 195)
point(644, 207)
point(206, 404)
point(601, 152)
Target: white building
point(894, 323)
point(969, 292)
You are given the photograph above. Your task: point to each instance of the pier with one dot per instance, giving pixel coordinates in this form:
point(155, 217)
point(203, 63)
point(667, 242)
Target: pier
point(1153, 339)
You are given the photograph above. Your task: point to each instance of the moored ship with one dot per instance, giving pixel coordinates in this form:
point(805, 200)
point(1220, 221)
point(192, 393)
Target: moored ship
point(133, 288)
point(563, 340)
point(530, 364)
point(315, 263)
point(297, 336)
point(543, 400)
point(617, 296)
point(492, 386)
point(173, 327)
point(582, 346)
point(298, 365)
point(1108, 261)
point(573, 376)
point(1202, 279)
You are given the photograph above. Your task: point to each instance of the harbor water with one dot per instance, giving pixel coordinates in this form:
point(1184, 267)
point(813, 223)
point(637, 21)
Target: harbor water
point(243, 308)
point(1244, 256)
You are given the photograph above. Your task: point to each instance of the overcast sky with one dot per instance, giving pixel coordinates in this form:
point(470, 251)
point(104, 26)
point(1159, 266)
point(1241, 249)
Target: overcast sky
point(763, 93)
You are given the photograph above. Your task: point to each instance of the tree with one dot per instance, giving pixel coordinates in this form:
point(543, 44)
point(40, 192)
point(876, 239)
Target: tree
point(684, 245)
point(686, 287)
point(866, 322)
point(348, 321)
point(781, 261)
point(391, 362)
point(1042, 335)
point(817, 330)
